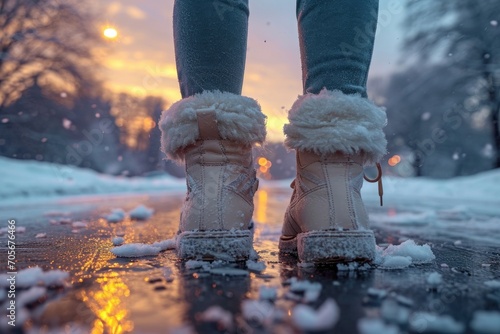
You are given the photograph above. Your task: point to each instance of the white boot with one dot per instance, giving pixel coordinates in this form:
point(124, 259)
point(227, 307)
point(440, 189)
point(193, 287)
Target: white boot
point(335, 135)
point(213, 133)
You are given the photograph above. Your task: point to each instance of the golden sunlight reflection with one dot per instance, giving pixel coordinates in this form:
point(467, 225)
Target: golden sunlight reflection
point(109, 305)
point(110, 33)
point(261, 207)
point(264, 168)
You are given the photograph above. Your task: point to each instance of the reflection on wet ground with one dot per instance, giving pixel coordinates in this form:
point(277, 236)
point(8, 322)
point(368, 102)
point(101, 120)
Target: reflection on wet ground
point(160, 295)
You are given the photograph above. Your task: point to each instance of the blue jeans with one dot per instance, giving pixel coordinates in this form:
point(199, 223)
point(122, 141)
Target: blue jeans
point(336, 43)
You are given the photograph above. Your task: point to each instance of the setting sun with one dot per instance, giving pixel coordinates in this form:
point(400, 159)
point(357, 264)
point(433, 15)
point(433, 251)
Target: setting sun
point(110, 33)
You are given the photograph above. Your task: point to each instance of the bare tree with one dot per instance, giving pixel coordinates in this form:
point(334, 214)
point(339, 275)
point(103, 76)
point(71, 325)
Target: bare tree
point(464, 34)
point(46, 41)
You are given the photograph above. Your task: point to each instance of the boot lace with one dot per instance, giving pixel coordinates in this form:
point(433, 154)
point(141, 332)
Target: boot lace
point(379, 180)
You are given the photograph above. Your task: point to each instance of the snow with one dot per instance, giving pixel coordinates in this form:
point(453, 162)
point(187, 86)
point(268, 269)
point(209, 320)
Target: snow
point(141, 212)
point(493, 284)
point(395, 262)
point(32, 295)
point(141, 249)
point(165, 244)
point(377, 293)
point(116, 215)
point(22, 179)
point(376, 326)
point(392, 312)
point(256, 266)
point(194, 264)
point(487, 322)
point(19, 229)
point(434, 280)
point(403, 255)
point(217, 314)
point(402, 218)
point(79, 225)
point(135, 250)
point(423, 322)
point(268, 293)
point(261, 312)
point(41, 235)
point(54, 277)
point(322, 319)
point(29, 277)
point(118, 241)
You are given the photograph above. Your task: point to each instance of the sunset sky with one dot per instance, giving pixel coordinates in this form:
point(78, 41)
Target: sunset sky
point(141, 59)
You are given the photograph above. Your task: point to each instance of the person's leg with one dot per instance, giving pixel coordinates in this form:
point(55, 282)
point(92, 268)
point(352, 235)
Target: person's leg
point(210, 39)
point(336, 43)
point(335, 131)
point(212, 129)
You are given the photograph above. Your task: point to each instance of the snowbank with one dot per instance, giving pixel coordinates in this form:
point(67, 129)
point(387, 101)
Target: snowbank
point(23, 179)
point(482, 187)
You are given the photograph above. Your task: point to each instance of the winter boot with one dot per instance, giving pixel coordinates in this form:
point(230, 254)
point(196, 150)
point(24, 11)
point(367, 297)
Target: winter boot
point(213, 133)
point(334, 135)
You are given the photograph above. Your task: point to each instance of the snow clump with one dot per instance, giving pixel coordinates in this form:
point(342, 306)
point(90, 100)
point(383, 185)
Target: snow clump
point(322, 319)
point(487, 322)
point(141, 212)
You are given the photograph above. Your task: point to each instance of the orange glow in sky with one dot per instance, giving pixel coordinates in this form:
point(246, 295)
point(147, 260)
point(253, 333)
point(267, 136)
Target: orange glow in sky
point(110, 33)
point(141, 60)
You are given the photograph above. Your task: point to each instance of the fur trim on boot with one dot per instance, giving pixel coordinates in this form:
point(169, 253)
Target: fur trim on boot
point(239, 119)
point(332, 121)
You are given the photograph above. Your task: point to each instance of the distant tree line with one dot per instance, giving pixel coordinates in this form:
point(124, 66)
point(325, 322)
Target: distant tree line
point(443, 108)
point(52, 105)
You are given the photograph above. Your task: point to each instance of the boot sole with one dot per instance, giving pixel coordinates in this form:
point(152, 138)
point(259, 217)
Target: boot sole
point(324, 247)
point(229, 245)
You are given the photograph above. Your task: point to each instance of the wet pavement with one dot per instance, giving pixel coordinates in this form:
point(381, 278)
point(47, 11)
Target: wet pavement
point(122, 295)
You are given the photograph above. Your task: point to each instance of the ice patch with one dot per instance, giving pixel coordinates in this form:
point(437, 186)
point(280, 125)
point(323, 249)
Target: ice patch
point(423, 322)
point(141, 212)
point(376, 326)
point(434, 280)
point(41, 235)
point(322, 319)
point(487, 322)
point(256, 266)
point(217, 314)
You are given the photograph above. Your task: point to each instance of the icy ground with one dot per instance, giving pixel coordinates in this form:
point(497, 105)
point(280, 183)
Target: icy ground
point(80, 282)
